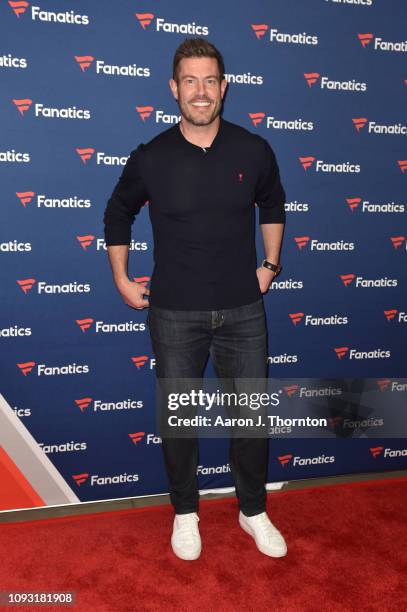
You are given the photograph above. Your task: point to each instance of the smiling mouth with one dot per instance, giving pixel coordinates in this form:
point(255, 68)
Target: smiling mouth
point(200, 104)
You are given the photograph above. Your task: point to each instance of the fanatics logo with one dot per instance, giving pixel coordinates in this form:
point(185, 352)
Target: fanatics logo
point(311, 77)
point(44, 288)
point(101, 157)
point(301, 241)
point(25, 368)
point(310, 319)
point(390, 314)
point(26, 284)
point(341, 351)
point(402, 165)
point(85, 154)
point(322, 166)
point(383, 383)
point(137, 436)
point(245, 78)
point(347, 278)
point(83, 403)
point(102, 327)
point(160, 116)
point(101, 67)
point(96, 480)
point(376, 451)
point(25, 196)
point(257, 118)
point(80, 479)
point(359, 123)
point(335, 421)
point(377, 128)
point(161, 25)
point(85, 241)
point(37, 14)
point(23, 105)
point(317, 245)
point(144, 111)
point(396, 386)
point(327, 83)
point(358, 354)
point(285, 459)
point(144, 19)
point(84, 61)
point(45, 202)
point(291, 389)
point(300, 38)
point(353, 203)
point(369, 207)
point(139, 361)
point(307, 162)
point(260, 29)
point(296, 317)
point(19, 7)
point(365, 39)
point(382, 45)
point(84, 324)
point(49, 112)
point(397, 241)
point(281, 124)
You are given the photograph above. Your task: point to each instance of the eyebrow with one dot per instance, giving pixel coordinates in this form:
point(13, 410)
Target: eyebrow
point(191, 76)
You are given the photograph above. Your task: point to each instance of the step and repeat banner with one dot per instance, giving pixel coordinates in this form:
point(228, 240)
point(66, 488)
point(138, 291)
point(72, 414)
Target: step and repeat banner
point(85, 82)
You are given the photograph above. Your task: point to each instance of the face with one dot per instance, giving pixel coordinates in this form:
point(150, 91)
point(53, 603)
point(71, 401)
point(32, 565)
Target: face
point(198, 90)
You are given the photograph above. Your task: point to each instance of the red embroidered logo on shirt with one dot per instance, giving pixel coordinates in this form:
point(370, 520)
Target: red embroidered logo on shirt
point(240, 176)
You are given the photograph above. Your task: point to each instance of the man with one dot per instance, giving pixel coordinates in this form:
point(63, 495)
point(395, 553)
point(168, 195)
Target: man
point(202, 177)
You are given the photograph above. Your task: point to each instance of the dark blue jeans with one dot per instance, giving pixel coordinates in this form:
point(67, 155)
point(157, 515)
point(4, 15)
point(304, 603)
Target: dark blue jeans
point(236, 340)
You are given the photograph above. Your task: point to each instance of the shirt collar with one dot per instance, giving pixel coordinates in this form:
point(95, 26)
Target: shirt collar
point(215, 142)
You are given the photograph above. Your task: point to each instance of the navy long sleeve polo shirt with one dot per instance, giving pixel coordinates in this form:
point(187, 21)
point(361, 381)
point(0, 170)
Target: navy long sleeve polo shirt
point(201, 207)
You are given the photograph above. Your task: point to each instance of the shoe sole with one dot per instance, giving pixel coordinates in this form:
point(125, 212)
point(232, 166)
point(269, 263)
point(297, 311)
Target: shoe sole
point(259, 546)
point(182, 556)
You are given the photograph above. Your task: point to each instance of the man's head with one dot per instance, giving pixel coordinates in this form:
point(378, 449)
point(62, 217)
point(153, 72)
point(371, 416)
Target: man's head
point(198, 82)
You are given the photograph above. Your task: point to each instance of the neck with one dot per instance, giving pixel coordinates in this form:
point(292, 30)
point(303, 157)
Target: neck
point(200, 135)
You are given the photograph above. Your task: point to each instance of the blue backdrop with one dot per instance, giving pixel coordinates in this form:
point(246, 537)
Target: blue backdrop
point(83, 83)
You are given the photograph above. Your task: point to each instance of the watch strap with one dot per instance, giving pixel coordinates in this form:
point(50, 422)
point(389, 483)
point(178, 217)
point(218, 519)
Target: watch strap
point(273, 267)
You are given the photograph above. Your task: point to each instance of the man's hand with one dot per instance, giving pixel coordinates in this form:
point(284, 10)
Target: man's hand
point(265, 278)
point(132, 293)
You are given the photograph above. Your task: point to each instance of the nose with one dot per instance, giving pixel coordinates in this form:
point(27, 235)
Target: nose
point(201, 88)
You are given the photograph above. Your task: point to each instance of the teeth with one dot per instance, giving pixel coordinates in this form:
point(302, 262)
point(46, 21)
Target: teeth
point(200, 103)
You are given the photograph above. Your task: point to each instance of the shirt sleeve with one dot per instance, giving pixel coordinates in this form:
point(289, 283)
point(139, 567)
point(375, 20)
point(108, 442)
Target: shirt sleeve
point(127, 198)
point(270, 195)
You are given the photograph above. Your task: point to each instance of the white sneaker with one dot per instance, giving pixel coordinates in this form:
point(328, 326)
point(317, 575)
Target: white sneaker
point(185, 539)
point(267, 537)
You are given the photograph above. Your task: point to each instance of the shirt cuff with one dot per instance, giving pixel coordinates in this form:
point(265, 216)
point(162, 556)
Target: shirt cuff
point(276, 214)
point(116, 235)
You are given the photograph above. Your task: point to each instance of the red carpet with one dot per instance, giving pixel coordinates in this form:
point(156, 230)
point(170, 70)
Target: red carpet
point(347, 550)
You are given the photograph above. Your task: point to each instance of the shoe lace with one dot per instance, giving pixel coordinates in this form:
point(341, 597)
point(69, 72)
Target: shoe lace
point(188, 527)
point(267, 526)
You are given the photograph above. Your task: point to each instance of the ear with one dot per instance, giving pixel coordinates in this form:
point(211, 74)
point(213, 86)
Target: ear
point(223, 86)
point(174, 88)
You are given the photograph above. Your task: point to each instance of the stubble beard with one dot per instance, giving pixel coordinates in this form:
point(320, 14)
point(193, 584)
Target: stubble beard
point(188, 116)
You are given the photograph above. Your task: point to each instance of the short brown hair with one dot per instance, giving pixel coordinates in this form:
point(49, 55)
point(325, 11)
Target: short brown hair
point(197, 47)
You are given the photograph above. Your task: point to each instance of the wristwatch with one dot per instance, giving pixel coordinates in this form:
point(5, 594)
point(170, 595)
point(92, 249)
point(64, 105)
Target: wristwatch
point(273, 267)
